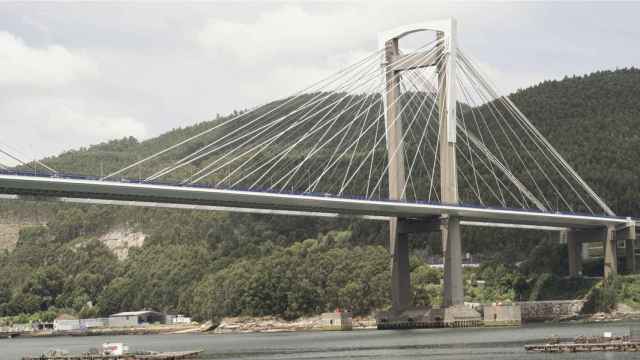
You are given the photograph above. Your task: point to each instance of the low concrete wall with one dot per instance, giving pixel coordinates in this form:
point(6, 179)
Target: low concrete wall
point(123, 321)
point(94, 323)
point(19, 328)
point(500, 315)
point(66, 325)
point(549, 310)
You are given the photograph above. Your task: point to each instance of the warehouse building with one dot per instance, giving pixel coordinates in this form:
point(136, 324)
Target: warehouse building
point(136, 318)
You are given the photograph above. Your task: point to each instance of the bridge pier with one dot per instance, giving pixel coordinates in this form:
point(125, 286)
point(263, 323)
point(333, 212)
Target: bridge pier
point(606, 235)
point(610, 252)
point(574, 247)
point(627, 233)
point(452, 248)
point(453, 287)
point(630, 256)
point(400, 274)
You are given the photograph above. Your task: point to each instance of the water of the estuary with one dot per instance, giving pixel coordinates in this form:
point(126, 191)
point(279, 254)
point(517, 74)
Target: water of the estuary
point(451, 344)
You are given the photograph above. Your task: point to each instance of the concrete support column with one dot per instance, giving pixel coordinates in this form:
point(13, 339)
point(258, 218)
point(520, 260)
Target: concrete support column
point(574, 247)
point(453, 292)
point(630, 256)
point(627, 234)
point(610, 253)
point(452, 248)
point(400, 275)
point(398, 243)
point(605, 235)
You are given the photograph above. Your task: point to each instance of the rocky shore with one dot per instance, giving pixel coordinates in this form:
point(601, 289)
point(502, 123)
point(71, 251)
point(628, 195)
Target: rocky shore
point(621, 313)
point(275, 324)
point(313, 323)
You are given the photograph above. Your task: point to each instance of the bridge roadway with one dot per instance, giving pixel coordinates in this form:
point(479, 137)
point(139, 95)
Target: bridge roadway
point(85, 189)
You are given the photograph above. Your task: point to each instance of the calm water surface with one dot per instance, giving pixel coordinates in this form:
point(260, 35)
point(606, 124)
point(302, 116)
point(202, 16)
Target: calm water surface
point(453, 344)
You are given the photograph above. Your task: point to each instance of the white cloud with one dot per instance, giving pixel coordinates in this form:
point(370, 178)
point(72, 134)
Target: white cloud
point(78, 74)
point(53, 65)
point(282, 34)
point(51, 125)
point(58, 118)
point(49, 101)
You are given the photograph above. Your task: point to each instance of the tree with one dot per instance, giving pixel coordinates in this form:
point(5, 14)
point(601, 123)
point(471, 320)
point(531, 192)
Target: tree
point(116, 297)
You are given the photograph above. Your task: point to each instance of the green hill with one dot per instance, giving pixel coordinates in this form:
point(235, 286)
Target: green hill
point(216, 264)
point(593, 121)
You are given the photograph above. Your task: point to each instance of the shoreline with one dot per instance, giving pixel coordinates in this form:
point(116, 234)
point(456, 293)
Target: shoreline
point(601, 318)
point(269, 324)
point(239, 325)
point(142, 330)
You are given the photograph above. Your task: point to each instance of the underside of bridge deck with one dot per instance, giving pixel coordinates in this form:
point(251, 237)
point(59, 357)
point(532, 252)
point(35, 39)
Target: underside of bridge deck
point(609, 236)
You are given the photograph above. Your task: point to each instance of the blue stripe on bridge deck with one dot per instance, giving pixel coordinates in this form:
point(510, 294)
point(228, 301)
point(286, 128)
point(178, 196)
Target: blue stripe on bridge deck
point(86, 188)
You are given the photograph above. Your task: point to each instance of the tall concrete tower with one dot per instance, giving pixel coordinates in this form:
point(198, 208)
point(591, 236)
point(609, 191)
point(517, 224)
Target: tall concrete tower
point(394, 64)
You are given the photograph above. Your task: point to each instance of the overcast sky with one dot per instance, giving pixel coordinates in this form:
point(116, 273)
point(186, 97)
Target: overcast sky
point(72, 75)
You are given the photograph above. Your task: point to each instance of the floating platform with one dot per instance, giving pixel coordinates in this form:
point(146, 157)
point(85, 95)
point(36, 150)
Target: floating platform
point(624, 346)
point(148, 356)
point(588, 344)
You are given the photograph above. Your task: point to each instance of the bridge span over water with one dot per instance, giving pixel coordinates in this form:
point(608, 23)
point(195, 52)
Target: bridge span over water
point(127, 191)
point(419, 138)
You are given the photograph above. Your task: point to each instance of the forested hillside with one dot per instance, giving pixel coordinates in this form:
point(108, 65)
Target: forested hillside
point(594, 122)
point(217, 264)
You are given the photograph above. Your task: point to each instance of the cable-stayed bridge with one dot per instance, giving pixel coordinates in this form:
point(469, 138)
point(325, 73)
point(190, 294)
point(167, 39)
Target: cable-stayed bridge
point(419, 138)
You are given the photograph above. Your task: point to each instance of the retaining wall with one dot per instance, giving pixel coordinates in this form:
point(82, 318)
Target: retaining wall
point(550, 310)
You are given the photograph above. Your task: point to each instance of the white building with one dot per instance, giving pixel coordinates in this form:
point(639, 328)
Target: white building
point(337, 320)
point(178, 319)
point(65, 322)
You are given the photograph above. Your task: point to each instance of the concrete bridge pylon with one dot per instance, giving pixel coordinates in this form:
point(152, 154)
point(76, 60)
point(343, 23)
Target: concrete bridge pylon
point(449, 225)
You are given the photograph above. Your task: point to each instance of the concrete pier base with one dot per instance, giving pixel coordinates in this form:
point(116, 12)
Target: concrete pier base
point(436, 317)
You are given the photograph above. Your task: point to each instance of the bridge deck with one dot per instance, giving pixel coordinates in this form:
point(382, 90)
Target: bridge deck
point(83, 188)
